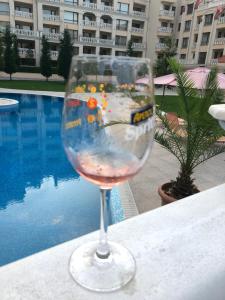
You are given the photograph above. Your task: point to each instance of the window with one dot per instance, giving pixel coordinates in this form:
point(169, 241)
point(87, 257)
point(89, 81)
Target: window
point(179, 26)
point(123, 8)
point(220, 34)
point(190, 9)
point(199, 20)
point(196, 38)
point(217, 53)
point(184, 43)
point(166, 7)
point(76, 51)
point(193, 55)
point(205, 38)
point(121, 24)
point(121, 40)
point(187, 26)
point(202, 58)
point(173, 8)
point(182, 9)
point(177, 42)
point(164, 24)
point(208, 19)
point(183, 56)
point(4, 8)
point(70, 17)
point(73, 34)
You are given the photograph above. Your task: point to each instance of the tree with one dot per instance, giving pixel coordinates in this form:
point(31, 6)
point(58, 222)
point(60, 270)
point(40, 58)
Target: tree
point(16, 51)
point(9, 53)
point(45, 62)
point(199, 143)
point(1, 52)
point(162, 66)
point(65, 55)
point(130, 51)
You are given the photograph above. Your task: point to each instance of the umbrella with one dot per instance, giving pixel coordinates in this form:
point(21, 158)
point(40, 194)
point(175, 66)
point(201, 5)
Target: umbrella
point(198, 76)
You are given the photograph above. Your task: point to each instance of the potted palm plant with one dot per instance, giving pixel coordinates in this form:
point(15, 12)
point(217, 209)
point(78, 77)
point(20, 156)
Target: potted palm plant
point(195, 141)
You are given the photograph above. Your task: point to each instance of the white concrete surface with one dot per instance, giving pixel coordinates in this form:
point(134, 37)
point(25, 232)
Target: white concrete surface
point(179, 250)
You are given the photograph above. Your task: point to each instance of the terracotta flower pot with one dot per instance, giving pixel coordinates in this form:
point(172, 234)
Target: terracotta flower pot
point(165, 199)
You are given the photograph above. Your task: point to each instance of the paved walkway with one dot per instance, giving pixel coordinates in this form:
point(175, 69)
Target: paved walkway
point(162, 167)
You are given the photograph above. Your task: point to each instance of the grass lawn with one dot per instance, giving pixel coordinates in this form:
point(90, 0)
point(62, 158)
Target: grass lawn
point(171, 103)
point(36, 85)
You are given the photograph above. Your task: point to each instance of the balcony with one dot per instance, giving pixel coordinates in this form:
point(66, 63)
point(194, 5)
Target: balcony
point(52, 36)
point(139, 14)
point(91, 6)
point(86, 23)
point(160, 46)
point(96, 41)
point(106, 42)
point(165, 30)
point(214, 61)
point(139, 46)
point(219, 41)
point(52, 18)
point(52, 1)
point(25, 33)
point(167, 13)
point(23, 14)
point(137, 30)
point(106, 8)
point(23, 52)
point(105, 25)
point(221, 20)
point(88, 40)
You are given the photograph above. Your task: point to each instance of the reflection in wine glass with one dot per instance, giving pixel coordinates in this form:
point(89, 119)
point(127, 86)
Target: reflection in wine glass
point(108, 129)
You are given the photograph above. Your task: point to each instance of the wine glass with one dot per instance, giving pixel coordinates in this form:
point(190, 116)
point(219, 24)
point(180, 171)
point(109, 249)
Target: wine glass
point(108, 130)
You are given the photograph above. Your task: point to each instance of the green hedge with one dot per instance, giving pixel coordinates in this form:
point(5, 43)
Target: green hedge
point(33, 69)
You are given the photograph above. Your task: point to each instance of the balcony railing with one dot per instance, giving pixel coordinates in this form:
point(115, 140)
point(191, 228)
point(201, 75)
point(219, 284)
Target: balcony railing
point(165, 29)
point(23, 14)
point(53, 18)
point(106, 8)
point(54, 55)
point(23, 52)
point(90, 5)
point(88, 40)
point(160, 46)
point(214, 61)
point(137, 30)
point(106, 25)
point(138, 45)
point(25, 33)
point(221, 20)
point(53, 1)
point(88, 23)
point(139, 14)
point(52, 36)
point(96, 41)
point(167, 13)
point(219, 41)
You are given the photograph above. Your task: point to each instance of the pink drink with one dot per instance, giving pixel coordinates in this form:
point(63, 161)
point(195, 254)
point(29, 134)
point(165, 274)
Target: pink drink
point(105, 168)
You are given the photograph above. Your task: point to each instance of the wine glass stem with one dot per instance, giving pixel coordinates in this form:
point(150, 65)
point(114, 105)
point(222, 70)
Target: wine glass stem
point(103, 250)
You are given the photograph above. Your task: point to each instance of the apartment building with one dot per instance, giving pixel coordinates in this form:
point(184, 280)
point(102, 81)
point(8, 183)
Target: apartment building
point(97, 26)
point(161, 24)
point(200, 33)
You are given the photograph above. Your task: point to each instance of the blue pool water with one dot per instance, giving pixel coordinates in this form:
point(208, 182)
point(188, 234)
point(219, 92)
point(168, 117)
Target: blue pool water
point(43, 202)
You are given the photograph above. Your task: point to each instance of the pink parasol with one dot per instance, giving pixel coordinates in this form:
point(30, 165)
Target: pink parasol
point(198, 76)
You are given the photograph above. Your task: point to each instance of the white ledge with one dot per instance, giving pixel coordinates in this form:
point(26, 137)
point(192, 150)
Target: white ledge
point(179, 251)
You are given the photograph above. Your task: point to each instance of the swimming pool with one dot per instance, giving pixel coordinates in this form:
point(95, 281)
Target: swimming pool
point(43, 202)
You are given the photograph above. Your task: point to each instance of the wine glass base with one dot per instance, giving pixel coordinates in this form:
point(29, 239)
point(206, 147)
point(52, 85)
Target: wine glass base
point(102, 275)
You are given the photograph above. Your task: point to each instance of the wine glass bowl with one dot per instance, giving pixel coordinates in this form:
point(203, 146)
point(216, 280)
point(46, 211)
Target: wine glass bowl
point(108, 130)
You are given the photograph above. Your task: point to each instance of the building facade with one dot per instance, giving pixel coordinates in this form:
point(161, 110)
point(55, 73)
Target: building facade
point(200, 33)
point(161, 24)
point(97, 26)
